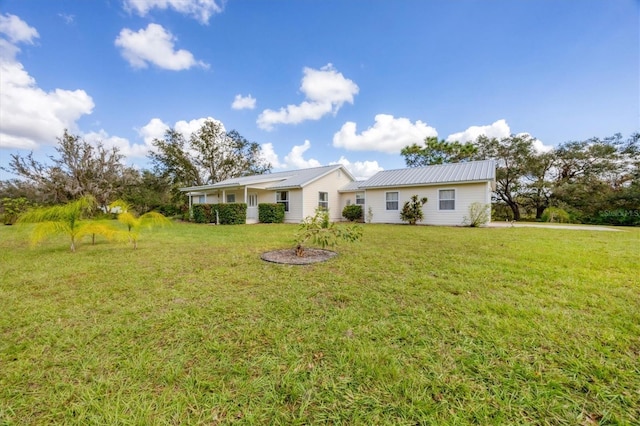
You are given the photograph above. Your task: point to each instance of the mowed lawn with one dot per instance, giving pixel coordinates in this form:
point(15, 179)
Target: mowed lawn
point(411, 325)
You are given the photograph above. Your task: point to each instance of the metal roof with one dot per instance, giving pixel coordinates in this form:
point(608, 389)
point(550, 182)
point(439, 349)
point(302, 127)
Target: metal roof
point(352, 186)
point(471, 171)
point(286, 179)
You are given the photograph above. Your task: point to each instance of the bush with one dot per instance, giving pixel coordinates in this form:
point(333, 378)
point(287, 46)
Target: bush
point(270, 213)
point(230, 214)
point(200, 214)
point(478, 215)
point(412, 210)
point(555, 215)
point(352, 212)
point(319, 230)
point(12, 208)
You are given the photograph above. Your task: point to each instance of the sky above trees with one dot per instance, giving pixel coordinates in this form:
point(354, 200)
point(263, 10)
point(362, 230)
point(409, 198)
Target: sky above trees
point(313, 82)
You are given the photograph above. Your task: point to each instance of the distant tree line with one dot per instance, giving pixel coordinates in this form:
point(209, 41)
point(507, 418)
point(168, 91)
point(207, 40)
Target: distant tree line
point(592, 181)
point(80, 169)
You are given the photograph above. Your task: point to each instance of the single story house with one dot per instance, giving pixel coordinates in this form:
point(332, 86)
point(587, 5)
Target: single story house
point(450, 189)
point(301, 192)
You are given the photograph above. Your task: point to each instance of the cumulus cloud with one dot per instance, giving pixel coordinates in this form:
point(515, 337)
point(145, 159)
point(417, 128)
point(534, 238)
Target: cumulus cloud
point(269, 155)
point(16, 30)
point(325, 90)
point(295, 159)
point(31, 116)
point(202, 10)
point(243, 102)
point(360, 169)
point(498, 129)
point(154, 45)
point(388, 134)
point(123, 145)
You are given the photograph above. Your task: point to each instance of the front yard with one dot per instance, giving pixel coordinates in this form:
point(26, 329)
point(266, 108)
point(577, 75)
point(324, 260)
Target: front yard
point(411, 325)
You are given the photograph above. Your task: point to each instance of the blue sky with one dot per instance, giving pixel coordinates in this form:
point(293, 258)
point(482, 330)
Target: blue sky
point(316, 82)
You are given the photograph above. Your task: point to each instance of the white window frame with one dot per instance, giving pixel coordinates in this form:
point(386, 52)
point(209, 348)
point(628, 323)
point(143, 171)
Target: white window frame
point(231, 198)
point(201, 199)
point(441, 200)
point(284, 200)
point(360, 199)
point(387, 201)
point(323, 204)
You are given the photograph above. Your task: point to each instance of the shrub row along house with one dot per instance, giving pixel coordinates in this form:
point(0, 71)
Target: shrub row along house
point(450, 189)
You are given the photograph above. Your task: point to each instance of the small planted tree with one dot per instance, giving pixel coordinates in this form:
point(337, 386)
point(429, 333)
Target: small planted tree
point(412, 210)
point(65, 219)
point(320, 231)
point(135, 223)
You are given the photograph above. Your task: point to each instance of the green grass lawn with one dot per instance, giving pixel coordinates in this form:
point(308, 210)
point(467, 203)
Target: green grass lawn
point(412, 325)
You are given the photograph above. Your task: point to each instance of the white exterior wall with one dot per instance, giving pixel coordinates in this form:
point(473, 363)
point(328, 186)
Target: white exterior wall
point(329, 184)
point(465, 195)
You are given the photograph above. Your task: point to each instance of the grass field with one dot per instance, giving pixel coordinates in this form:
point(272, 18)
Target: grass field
point(412, 325)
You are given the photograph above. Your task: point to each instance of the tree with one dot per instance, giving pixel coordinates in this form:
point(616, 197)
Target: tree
point(412, 211)
point(211, 155)
point(65, 219)
point(135, 223)
point(437, 152)
point(80, 170)
point(513, 155)
point(319, 230)
point(538, 182)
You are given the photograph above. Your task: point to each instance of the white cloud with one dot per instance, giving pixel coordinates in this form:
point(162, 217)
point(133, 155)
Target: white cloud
point(269, 155)
point(498, 129)
point(243, 102)
point(201, 10)
point(360, 169)
point(325, 90)
point(295, 158)
point(154, 45)
point(388, 134)
point(154, 129)
point(17, 30)
point(122, 144)
point(31, 116)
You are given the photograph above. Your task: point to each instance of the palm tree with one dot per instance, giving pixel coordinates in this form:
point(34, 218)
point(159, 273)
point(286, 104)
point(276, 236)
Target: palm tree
point(65, 219)
point(135, 224)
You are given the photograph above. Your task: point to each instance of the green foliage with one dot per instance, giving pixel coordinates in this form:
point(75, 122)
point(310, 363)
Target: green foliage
point(271, 213)
point(65, 219)
point(437, 152)
point(230, 213)
point(412, 210)
point(11, 208)
point(135, 223)
point(201, 213)
point(479, 214)
point(320, 231)
point(555, 215)
point(352, 213)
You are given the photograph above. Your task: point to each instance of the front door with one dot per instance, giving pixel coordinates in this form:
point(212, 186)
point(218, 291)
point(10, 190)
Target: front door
point(252, 207)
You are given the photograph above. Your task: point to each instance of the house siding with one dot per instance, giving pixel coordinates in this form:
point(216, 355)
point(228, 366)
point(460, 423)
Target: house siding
point(465, 195)
point(329, 184)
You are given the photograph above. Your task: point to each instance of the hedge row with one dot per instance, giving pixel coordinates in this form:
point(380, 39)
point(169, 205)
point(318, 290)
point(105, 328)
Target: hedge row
point(227, 214)
point(270, 213)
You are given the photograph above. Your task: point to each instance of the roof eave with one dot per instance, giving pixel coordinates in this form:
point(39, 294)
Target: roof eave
point(409, 185)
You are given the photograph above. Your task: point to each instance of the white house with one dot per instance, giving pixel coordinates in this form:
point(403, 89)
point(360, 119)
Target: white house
point(301, 192)
point(449, 188)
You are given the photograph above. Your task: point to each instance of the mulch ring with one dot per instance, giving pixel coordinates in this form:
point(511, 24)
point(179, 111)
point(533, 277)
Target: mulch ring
point(288, 256)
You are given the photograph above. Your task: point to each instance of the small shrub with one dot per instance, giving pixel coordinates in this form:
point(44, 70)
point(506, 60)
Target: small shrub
point(12, 208)
point(555, 215)
point(199, 213)
point(319, 230)
point(352, 213)
point(412, 210)
point(270, 213)
point(230, 213)
point(478, 215)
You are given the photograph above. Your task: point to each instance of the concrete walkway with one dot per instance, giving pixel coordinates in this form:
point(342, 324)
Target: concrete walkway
point(552, 226)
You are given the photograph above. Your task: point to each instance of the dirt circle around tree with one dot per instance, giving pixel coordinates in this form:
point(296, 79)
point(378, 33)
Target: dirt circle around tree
point(289, 257)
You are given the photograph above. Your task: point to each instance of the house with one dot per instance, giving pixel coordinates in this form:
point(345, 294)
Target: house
point(449, 188)
point(300, 191)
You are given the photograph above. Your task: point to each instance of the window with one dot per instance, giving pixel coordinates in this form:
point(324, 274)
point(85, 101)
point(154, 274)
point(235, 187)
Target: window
point(202, 199)
point(231, 198)
point(323, 200)
point(282, 197)
point(392, 200)
point(360, 198)
point(447, 199)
